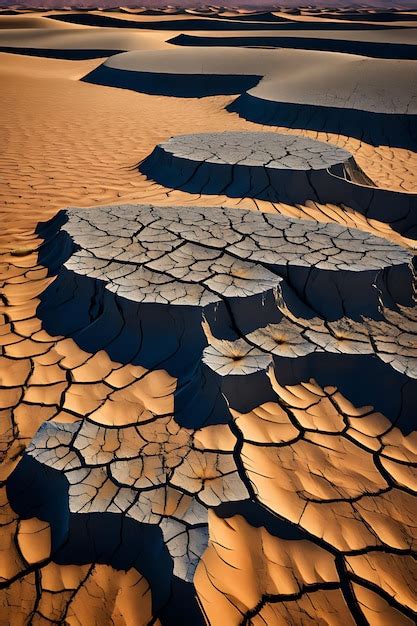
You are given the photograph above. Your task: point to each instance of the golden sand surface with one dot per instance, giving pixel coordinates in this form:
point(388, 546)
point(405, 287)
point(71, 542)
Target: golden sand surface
point(72, 143)
point(341, 473)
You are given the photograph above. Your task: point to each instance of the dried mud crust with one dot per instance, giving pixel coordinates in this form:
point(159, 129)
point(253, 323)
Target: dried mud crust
point(276, 168)
point(146, 253)
point(333, 286)
point(269, 166)
point(218, 449)
point(281, 152)
point(130, 429)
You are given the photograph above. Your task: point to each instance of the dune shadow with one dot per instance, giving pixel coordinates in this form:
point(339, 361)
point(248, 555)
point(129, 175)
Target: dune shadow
point(61, 53)
point(213, 23)
point(57, 53)
point(397, 130)
point(171, 84)
point(379, 50)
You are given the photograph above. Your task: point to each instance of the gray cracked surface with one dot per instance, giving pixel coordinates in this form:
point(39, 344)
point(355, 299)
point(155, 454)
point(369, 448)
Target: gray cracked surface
point(269, 166)
point(184, 255)
point(253, 149)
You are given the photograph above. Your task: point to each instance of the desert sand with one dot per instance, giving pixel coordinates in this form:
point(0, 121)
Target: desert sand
point(208, 352)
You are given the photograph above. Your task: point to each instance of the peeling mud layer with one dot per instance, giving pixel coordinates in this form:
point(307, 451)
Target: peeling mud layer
point(276, 168)
point(360, 96)
point(268, 166)
point(208, 368)
point(180, 255)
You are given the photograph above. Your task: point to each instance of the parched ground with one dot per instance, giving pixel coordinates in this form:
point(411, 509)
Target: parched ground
point(295, 505)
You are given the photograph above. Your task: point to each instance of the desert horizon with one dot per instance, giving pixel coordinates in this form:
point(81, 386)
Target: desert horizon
point(208, 321)
point(256, 5)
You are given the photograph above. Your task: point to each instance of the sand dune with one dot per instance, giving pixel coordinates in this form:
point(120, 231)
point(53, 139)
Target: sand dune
point(23, 21)
point(294, 76)
point(73, 38)
point(353, 95)
point(377, 49)
point(208, 369)
point(212, 22)
point(17, 66)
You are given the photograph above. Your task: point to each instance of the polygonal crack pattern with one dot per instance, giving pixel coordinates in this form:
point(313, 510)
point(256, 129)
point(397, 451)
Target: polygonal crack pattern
point(269, 166)
point(278, 169)
point(207, 419)
point(183, 255)
point(283, 152)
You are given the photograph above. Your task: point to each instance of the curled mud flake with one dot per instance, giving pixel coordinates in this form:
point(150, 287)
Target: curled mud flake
point(243, 566)
point(34, 540)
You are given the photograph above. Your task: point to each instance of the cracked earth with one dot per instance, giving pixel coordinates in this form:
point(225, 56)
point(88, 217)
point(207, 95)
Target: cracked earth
point(208, 379)
point(137, 412)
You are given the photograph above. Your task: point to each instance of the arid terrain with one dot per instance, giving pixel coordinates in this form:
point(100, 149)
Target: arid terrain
point(208, 322)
